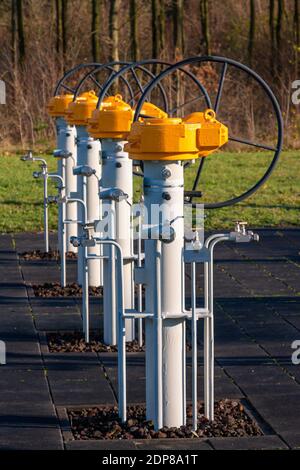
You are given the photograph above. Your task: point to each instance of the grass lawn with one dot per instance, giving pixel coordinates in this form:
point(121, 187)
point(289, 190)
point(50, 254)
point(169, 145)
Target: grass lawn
point(277, 203)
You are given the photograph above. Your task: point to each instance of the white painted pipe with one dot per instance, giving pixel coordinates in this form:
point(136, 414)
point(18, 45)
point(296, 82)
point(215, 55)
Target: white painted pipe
point(88, 153)
point(163, 186)
point(61, 125)
point(66, 140)
point(46, 227)
point(117, 173)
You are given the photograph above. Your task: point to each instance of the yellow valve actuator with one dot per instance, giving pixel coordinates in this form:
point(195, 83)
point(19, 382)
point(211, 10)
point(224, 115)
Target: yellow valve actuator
point(58, 105)
point(114, 118)
point(197, 135)
point(80, 110)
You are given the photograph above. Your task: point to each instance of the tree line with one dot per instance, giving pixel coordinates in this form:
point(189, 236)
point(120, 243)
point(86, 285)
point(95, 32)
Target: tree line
point(40, 39)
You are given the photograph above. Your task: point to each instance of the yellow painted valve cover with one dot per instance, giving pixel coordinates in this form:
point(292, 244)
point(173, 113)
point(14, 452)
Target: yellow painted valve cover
point(80, 110)
point(58, 105)
point(114, 118)
point(197, 135)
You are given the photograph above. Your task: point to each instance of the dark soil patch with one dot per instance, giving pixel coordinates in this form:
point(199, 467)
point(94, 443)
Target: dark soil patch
point(231, 420)
point(51, 255)
point(74, 342)
point(54, 289)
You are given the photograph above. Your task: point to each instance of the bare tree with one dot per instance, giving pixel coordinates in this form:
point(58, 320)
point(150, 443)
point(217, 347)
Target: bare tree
point(13, 34)
point(296, 33)
point(272, 34)
point(21, 36)
point(64, 18)
point(178, 36)
point(96, 5)
point(278, 33)
point(114, 29)
point(154, 13)
point(58, 8)
point(61, 12)
point(204, 18)
point(251, 32)
point(158, 28)
point(135, 50)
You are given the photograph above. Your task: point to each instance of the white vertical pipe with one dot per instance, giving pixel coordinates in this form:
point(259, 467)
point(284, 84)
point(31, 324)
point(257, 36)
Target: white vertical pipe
point(94, 208)
point(117, 173)
point(85, 300)
point(168, 192)
point(206, 340)
point(71, 185)
point(60, 139)
point(157, 335)
point(63, 273)
point(140, 287)
point(88, 153)
point(46, 228)
point(194, 348)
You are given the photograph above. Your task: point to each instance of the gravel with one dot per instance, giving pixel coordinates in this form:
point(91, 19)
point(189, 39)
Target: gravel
point(231, 420)
point(51, 255)
point(54, 289)
point(74, 342)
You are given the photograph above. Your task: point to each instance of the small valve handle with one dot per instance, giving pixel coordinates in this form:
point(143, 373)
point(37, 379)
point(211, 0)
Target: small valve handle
point(240, 227)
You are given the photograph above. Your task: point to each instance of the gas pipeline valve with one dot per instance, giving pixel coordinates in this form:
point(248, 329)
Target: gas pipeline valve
point(197, 135)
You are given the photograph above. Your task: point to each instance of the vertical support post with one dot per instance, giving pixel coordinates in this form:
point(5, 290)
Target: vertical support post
point(60, 142)
point(88, 153)
point(211, 339)
point(163, 190)
point(206, 340)
point(93, 204)
point(140, 288)
point(194, 348)
point(119, 280)
point(117, 173)
point(157, 333)
point(71, 185)
point(63, 275)
point(46, 228)
point(85, 297)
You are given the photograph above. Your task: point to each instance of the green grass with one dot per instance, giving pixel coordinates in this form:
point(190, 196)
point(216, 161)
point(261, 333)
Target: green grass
point(277, 203)
point(21, 196)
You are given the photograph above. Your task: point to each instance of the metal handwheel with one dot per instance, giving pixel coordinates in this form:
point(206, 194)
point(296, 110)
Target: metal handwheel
point(250, 75)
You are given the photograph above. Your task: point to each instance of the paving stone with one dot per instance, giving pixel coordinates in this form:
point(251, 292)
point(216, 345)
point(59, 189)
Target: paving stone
point(173, 444)
point(88, 387)
point(292, 439)
point(57, 321)
point(100, 445)
point(25, 354)
point(70, 361)
point(282, 414)
point(248, 443)
point(24, 414)
point(263, 379)
point(30, 438)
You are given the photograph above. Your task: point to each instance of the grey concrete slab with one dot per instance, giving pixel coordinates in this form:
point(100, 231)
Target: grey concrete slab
point(248, 443)
point(30, 438)
point(74, 387)
point(282, 414)
point(28, 414)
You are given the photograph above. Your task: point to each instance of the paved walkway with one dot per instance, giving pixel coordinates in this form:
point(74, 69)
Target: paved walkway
point(257, 318)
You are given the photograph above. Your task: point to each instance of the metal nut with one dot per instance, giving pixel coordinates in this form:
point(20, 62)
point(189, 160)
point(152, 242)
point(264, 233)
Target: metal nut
point(166, 173)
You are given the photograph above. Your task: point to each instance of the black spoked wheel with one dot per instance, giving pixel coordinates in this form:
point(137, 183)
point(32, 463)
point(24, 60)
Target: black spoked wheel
point(203, 66)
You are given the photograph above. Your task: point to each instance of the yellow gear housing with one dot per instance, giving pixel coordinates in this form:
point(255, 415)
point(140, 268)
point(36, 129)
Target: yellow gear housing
point(58, 105)
point(197, 135)
point(80, 110)
point(114, 118)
